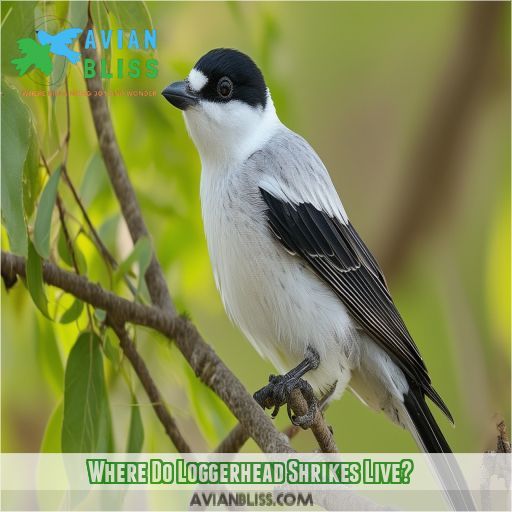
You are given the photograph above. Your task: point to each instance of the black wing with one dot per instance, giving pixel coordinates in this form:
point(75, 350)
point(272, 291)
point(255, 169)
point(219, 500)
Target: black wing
point(338, 256)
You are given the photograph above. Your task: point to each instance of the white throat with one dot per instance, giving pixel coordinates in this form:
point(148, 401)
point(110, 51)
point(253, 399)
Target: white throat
point(225, 134)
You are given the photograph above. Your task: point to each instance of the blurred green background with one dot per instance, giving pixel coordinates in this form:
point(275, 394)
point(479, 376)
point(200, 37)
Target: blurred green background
point(363, 83)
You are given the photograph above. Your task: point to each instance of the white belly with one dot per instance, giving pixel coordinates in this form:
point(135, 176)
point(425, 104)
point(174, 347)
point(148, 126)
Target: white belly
point(278, 303)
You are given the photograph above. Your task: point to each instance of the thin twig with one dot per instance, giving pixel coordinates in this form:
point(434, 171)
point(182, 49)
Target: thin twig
point(61, 210)
point(96, 239)
point(323, 403)
point(163, 414)
point(71, 249)
point(237, 437)
point(202, 358)
point(502, 441)
point(67, 237)
point(126, 344)
point(234, 441)
point(118, 174)
point(67, 138)
point(319, 427)
point(107, 256)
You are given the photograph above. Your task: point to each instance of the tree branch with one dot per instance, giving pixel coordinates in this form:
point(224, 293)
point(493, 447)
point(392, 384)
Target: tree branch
point(320, 429)
point(131, 211)
point(107, 256)
point(118, 174)
point(234, 441)
point(433, 170)
point(201, 357)
point(131, 353)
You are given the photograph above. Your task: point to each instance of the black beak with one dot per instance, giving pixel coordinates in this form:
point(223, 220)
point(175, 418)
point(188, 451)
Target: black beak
point(180, 95)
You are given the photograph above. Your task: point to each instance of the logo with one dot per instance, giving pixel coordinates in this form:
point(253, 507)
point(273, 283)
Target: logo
point(37, 53)
point(49, 53)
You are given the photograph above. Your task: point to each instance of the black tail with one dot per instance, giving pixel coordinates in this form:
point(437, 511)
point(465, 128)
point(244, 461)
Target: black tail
point(430, 438)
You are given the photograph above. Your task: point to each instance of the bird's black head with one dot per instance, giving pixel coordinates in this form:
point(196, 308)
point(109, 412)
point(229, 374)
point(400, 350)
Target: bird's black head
point(220, 76)
point(227, 107)
point(232, 75)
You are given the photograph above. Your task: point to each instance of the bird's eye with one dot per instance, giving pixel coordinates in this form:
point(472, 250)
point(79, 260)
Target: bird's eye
point(225, 87)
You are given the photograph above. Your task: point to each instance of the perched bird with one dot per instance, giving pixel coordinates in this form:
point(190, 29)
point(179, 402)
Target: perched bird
point(35, 55)
point(292, 271)
point(59, 42)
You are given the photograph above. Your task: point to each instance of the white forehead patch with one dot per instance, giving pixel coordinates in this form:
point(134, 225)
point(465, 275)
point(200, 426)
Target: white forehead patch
point(197, 79)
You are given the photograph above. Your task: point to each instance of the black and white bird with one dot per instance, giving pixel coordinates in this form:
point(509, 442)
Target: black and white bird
point(292, 271)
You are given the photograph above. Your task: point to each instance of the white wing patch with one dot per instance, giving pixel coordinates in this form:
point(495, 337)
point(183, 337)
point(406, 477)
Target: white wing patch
point(319, 192)
point(197, 79)
point(294, 173)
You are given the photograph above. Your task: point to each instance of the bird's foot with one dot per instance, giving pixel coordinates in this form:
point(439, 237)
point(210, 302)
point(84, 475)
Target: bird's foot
point(277, 393)
point(305, 420)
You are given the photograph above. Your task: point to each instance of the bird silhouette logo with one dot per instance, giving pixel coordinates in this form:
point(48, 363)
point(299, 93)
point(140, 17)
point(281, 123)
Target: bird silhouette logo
point(37, 53)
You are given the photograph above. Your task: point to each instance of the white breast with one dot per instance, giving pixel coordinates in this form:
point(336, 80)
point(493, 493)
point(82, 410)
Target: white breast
point(278, 303)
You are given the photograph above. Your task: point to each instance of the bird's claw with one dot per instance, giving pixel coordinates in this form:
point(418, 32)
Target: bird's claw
point(271, 395)
point(277, 393)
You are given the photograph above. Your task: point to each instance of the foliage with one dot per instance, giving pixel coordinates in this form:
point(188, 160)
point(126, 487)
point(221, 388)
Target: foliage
point(81, 420)
point(86, 421)
point(16, 131)
point(356, 81)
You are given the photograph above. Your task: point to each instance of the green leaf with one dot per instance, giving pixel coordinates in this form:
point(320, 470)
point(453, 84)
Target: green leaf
point(95, 179)
point(73, 312)
point(64, 253)
point(136, 432)
point(43, 222)
point(105, 433)
point(141, 254)
point(32, 182)
point(108, 233)
point(63, 249)
point(131, 15)
point(49, 357)
point(211, 414)
point(100, 314)
point(59, 72)
point(78, 14)
point(111, 350)
point(61, 11)
point(16, 129)
point(85, 397)
point(101, 22)
point(51, 126)
point(47, 17)
point(35, 280)
point(51, 442)
point(17, 23)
